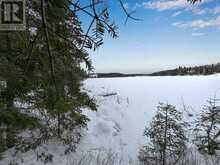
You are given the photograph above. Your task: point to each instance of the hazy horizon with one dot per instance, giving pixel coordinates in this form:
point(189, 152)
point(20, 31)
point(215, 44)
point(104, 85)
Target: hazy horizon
point(147, 71)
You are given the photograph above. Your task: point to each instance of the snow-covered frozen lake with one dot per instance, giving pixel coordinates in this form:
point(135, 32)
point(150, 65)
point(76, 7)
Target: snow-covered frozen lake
point(125, 107)
point(120, 121)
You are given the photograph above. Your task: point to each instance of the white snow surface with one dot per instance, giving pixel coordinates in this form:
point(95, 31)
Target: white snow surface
point(119, 123)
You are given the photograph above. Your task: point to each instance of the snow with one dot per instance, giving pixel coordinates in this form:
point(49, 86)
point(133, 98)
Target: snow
point(135, 105)
point(126, 106)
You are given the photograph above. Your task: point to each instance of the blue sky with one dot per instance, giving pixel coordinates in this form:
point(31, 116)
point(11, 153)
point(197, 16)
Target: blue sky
point(172, 33)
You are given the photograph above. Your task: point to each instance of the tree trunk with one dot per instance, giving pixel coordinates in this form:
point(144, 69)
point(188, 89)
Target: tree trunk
point(165, 140)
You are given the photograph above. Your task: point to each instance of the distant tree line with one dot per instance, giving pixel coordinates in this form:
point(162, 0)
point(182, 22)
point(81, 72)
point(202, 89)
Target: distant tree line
point(181, 70)
point(196, 70)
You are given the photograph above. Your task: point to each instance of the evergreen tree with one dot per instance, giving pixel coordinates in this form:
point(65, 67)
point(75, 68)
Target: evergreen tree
point(166, 135)
point(207, 129)
point(13, 86)
point(41, 73)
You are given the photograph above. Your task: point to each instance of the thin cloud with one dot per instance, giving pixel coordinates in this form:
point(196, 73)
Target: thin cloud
point(126, 5)
point(129, 6)
point(198, 34)
point(176, 13)
point(182, 6)
point(162, 5)
point(165, 5)
point(179, 24)
point(194, 11)
point(198, 11)
point(199, 24)
point(217, 10)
